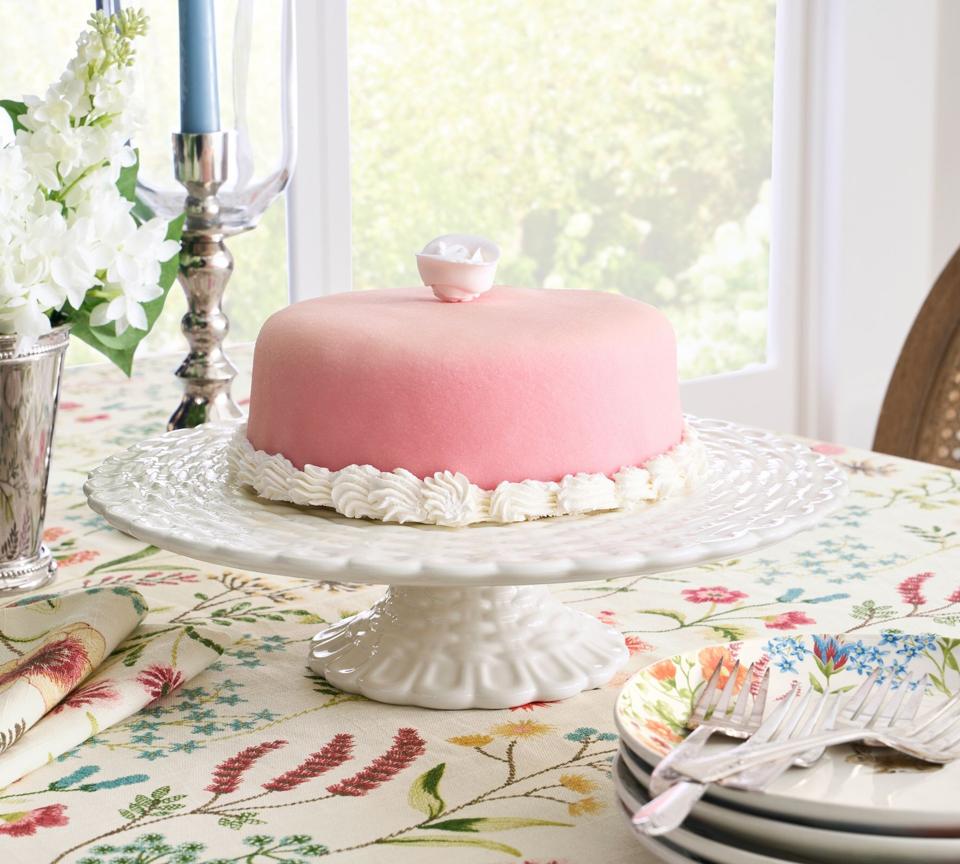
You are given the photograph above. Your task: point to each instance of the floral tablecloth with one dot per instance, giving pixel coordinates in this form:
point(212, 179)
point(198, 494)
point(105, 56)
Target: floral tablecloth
point(257, 760)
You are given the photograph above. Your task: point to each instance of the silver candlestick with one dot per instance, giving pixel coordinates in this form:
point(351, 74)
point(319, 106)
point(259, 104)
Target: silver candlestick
point(201, 166)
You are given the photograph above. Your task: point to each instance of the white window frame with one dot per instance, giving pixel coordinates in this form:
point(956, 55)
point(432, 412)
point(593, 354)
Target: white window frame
point(768, 395)
point(318, 208)
point(318, 198)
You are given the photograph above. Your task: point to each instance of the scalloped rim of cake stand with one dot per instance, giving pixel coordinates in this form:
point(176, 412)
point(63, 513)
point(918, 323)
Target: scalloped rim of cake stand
point(466, 621)
point(759, 489)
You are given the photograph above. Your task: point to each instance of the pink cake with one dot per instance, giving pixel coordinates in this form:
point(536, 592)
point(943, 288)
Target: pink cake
point(418, 410)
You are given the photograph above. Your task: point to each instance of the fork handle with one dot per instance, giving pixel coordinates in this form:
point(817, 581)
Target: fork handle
point(663, 774)
point(710, 769)
point(668, 809)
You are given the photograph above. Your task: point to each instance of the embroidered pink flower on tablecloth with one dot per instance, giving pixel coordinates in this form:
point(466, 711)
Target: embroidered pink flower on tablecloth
point(788, 621)
point(332, 755)
point(407, 746)
point(911, 589)
point(25, 822)
point(159, 680)
point(228, 774)
point(636, 645)
point(79, 557)
point(51, 535)
point(714, 594)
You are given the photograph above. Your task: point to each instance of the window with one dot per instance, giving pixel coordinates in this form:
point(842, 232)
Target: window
point(605, 145)
point(651, 148)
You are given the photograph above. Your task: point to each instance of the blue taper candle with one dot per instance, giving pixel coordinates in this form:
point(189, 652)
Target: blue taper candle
point(199, 97)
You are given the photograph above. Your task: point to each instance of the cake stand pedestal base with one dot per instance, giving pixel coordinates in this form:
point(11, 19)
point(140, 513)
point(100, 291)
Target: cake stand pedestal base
point(456, 648)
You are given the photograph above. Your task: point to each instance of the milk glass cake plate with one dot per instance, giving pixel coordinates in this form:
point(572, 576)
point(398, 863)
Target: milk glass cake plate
point(852, 788)
point(466, 621)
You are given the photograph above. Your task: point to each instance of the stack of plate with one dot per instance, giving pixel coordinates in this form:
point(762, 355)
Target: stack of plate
point(857, 805)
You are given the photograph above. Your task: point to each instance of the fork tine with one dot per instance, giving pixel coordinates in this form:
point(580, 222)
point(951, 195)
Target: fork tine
point(833, 715)
point(947, 734)
point(948, 716)
point(707, 697)
point(937, 713)
point(766, 729)
point(873, 706)
point(727, 693)
point(856, 699)
point(904, 694)
point(793, 717)
point(953, 740)
point(818, 717)
point(877, 719)
point(759, 703)
point(915, 700)
point(743, 699)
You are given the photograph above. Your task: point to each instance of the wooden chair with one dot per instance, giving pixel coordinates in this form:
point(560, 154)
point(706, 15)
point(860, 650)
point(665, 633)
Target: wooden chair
point(920, 418)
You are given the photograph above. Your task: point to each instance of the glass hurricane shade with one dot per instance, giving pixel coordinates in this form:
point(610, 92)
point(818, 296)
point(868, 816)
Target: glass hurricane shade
point(257, 90)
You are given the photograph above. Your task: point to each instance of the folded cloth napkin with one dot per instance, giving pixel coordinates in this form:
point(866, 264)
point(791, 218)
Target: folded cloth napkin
point(74, 664)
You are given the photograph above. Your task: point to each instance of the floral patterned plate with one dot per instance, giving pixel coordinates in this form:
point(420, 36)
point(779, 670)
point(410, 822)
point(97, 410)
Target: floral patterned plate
point(853, 788)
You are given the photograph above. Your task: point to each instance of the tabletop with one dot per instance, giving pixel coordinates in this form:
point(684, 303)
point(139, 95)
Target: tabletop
point(258, 760)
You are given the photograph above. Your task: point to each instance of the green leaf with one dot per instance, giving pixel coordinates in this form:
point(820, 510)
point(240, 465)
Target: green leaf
point(126, 559)
point(425, 792)
point(14, 111)
point(203, 640)
point(494, 823)
point(679, 617)
point(119, 349)
point(477, 842)
point(305, 617)
point(134, 654)
point(815, 684)
point(729, 632)
point(127, 186)
point(127, 181)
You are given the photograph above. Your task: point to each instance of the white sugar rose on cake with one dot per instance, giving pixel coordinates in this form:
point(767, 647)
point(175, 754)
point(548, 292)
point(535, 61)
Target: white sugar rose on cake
point(463, 402)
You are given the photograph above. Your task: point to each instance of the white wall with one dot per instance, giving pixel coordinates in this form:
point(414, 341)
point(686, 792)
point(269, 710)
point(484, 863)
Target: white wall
point(885, 215)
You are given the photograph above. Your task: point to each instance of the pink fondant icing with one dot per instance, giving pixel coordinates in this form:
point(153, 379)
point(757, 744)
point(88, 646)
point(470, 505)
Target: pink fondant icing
point(520, 384)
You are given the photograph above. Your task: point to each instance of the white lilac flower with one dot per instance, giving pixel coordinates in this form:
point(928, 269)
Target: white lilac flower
point(64, 227)
point(140, 251)
point(126, 309)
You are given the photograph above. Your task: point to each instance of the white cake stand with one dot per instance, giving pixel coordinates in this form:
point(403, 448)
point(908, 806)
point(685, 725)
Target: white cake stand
point(466, 621)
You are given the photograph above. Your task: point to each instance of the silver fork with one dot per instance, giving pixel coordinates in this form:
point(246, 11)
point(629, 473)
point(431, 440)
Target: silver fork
point(864, 707)
point(787, 723)
point(709, 715)
point(670, 807)
point(936, 738)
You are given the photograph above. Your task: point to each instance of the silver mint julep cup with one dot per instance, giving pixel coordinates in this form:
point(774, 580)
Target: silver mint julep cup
point(29, 390)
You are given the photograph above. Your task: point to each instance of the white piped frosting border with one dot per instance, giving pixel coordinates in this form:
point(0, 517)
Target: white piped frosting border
point(450, 499)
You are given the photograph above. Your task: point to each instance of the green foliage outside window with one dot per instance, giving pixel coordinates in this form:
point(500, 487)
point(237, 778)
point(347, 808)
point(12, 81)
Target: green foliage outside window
point(604, 145)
